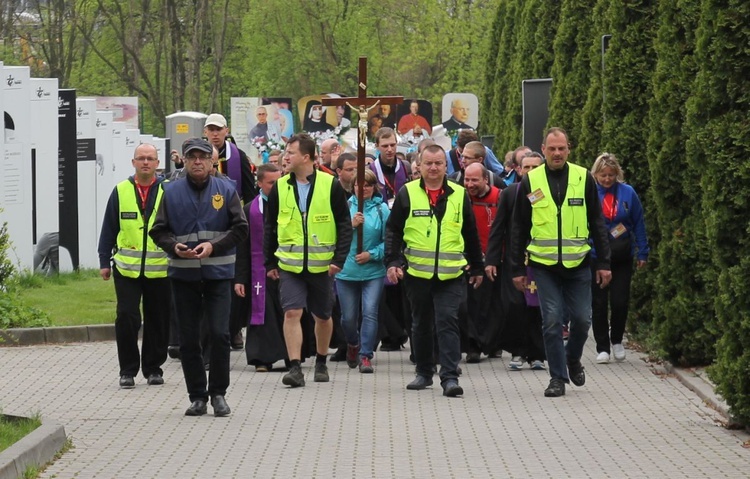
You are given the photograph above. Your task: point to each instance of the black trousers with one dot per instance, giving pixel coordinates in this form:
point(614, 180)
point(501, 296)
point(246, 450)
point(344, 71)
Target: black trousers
point(194, 301)
point(156, 313)
point(611, 301)
point(434, 307)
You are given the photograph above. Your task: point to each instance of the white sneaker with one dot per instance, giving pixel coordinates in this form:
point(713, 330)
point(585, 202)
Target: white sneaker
point(516, 363)
point(538, 365)
point(618, 351)
point(602, 358)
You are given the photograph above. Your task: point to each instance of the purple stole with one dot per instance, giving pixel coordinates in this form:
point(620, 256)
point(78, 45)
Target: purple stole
point(399, 178)
point(529, 292)
point(257, 286)
point(234, 165)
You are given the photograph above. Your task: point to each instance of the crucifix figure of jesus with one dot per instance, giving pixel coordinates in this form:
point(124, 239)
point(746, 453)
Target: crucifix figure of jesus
point(363, 104)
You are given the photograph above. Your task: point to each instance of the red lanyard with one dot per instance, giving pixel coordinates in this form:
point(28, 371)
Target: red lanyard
point(430, 197)
point(143, 192)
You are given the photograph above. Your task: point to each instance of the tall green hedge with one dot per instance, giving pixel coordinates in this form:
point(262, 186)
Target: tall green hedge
point(718, 112)
point(676, 113)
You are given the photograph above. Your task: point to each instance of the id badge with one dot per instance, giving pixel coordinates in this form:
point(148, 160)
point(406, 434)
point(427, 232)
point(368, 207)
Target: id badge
point(390, 203)
point(618, 230)
point(535, 196)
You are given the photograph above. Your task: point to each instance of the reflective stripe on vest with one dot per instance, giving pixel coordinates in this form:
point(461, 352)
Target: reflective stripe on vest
point(199, 236)
point(434, 248)
point(310, 241)
point(197, 263)
point(136, 250)
point(559, 235)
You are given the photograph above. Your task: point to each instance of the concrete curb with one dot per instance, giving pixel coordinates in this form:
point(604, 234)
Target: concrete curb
point(57, 335)
point(36, 449)
point(696, 380)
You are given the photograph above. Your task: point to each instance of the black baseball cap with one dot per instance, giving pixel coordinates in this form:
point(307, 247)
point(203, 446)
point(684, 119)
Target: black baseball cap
point(196, 144)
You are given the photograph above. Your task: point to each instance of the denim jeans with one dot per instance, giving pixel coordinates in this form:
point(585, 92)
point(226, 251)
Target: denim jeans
point(560, 291)
point(193, 299)
point(435, 302)
point(364, 296)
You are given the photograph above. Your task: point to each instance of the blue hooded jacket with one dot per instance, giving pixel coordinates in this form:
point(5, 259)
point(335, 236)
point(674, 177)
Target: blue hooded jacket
point(630, 214)
point(376, 215)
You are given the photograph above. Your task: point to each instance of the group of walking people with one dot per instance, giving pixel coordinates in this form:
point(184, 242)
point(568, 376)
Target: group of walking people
point(474, 267)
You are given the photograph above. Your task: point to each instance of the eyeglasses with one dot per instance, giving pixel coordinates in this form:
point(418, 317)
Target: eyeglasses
point(145, 159)
point(198, 158)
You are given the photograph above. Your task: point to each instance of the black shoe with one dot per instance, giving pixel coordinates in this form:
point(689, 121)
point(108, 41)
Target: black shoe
point(555, 389)
point(174, 352)
point(451, 388)
point(339, 355)
point(197, 408)
point(390, 347)
point(237, 341)
point(294, 377)
point(221, 408)
point(155, 380)
point(576, 373)
point(321, 373)
point(419, 383)
point(473, 358)
point(127, 382)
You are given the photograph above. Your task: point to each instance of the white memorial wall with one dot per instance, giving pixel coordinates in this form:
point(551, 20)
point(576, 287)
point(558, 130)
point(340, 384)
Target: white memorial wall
point(87, 209)
point(16, 183)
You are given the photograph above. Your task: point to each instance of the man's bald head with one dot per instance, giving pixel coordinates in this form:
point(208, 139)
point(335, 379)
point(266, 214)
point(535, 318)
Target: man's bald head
point(327, 149)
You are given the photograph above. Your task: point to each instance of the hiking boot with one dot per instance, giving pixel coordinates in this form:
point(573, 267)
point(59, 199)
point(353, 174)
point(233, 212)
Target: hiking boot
point(365, 366)
point(321, 373)
point(352, 356)
point(294, 377)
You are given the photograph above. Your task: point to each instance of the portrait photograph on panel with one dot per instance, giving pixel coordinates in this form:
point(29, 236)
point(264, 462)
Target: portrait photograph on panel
point(460, 111)
point(414, 116)
point(314, 117)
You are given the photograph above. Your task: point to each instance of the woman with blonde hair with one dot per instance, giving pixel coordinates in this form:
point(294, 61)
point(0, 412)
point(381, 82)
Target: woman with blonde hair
point(623, 215)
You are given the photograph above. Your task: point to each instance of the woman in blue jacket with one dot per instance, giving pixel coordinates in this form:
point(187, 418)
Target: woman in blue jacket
point(623, 215)
point(360, 283)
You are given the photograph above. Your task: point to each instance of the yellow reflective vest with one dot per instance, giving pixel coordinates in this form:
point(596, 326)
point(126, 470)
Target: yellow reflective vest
point(135, 250)
point(558, 234)
point(310, 237)
point(434, 248)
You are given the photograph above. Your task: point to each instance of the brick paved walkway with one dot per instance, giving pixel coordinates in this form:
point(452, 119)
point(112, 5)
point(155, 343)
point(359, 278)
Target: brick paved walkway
point(629, 420)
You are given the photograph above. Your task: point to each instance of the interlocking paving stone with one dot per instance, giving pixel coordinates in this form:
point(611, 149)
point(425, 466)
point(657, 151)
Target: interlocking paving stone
point(627, 421)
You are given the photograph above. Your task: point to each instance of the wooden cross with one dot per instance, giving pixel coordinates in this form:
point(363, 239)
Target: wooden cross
point(361, 102)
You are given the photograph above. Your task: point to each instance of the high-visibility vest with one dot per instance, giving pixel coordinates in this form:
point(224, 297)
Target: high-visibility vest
point(558, 234)
point(308, 240)
point(434, 248)
point(136, 251)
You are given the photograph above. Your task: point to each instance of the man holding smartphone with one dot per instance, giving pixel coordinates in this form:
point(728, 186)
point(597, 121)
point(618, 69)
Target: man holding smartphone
point(199, 224)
